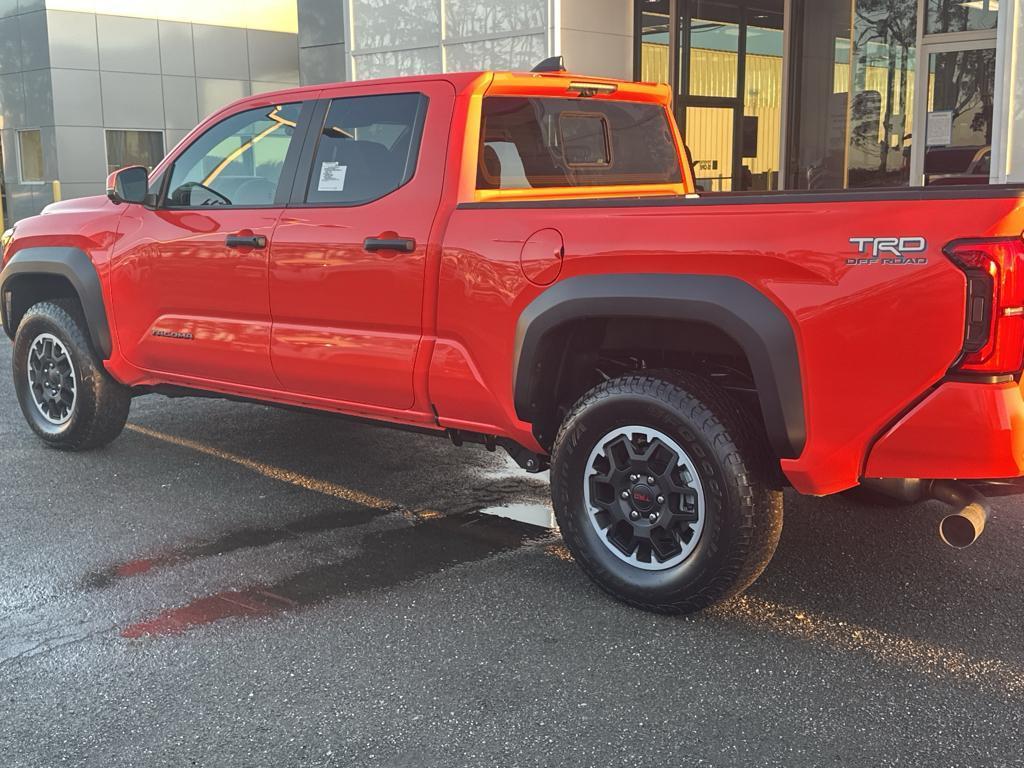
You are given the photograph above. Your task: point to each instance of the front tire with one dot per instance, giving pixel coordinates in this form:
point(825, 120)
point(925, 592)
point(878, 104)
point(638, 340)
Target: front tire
point(659, 488)
point(65, 393)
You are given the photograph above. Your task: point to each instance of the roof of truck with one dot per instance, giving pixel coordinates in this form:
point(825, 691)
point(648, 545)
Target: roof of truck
point(491, 82)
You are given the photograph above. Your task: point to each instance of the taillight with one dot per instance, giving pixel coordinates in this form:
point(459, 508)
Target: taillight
point(994, 332)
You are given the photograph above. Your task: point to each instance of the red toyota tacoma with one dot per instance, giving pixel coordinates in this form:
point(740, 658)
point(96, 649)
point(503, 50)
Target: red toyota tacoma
point(519, 260)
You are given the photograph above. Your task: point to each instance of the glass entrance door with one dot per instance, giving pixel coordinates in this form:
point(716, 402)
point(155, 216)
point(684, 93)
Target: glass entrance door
point(729, 91)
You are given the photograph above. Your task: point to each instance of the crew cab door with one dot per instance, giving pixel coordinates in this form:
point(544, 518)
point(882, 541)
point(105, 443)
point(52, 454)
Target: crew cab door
point(347, 268)
point(189, 278)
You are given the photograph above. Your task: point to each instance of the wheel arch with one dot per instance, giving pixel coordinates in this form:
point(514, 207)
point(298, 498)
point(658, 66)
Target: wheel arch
point(728, 306)
point(51, 272)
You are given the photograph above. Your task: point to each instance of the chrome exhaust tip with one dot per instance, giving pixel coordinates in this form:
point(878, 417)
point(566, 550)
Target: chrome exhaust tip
point(958, 530)
point(963, 527)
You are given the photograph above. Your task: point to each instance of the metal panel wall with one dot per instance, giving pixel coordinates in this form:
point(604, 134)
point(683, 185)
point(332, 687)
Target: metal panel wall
point(72, 75)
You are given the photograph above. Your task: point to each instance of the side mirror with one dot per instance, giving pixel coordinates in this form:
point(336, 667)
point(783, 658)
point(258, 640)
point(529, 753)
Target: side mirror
point(128, 185)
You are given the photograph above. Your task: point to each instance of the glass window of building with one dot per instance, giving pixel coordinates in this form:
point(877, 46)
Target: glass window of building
point(30, 155)
point(729, 91)
point(714, 43)
point(852, 105)
point(124, 148)
point(882, 77)
point(653, 33)
point(760, 139)
point(854, 76)
point(959, 132)
point(960, 16)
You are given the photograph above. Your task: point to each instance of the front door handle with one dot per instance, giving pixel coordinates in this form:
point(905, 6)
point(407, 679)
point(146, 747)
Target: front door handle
point(403, 244)
point(246, 241)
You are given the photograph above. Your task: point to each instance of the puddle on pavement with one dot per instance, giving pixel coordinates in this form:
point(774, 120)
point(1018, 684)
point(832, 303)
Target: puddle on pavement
point(386, 559)
point(233, 541)
point(533, 514)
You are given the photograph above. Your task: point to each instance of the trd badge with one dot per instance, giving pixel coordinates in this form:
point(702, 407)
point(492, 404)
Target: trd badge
point(888, 250)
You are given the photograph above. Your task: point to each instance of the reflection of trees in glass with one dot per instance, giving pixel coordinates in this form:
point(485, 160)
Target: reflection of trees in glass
point(467, 18)
point(963, 85)
point(958, 16)
point(390, 24)
point(417, 23)
point(947, 16)
point(885, 34)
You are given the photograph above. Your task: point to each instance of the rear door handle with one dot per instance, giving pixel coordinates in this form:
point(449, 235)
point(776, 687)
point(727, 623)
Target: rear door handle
point(403, 244)
point(246, 241)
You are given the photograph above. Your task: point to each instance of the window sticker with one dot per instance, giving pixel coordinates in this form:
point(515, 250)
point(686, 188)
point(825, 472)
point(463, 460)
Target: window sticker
point(940, 129)
point(332, 177)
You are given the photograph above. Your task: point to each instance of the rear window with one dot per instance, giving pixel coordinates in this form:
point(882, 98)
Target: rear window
point(531, 143)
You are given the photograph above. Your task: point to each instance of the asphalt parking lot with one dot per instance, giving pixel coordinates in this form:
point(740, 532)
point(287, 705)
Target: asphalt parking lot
point(233, 585)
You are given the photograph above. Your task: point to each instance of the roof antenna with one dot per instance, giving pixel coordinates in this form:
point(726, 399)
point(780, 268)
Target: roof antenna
point(553, 64)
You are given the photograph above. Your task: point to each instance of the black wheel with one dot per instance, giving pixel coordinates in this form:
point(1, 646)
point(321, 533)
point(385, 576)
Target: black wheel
point(659, 488)
point(68, 398)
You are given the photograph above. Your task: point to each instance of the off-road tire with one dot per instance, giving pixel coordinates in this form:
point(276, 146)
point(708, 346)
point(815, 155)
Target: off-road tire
point(742, 514)
point(101, 404)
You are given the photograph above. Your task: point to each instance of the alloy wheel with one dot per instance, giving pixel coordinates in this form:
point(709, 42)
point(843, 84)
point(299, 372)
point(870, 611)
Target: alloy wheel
point(644, 498)
point(51, 379)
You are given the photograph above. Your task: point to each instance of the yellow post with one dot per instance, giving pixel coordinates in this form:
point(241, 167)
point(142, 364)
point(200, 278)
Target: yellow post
point(56, 191)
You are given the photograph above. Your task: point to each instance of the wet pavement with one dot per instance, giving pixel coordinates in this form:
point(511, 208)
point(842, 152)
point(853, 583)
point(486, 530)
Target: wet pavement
point(233, 585)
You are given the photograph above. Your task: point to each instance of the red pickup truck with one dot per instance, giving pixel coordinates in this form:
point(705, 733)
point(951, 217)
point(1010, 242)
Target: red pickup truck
point(519, 260)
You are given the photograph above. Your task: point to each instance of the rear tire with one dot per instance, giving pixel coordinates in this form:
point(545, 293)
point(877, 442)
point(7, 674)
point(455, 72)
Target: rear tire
point(65, 393)
point(708, 524)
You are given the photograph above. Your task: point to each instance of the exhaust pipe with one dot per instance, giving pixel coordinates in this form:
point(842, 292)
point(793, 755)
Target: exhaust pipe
point(958, 530)
point(961, 529)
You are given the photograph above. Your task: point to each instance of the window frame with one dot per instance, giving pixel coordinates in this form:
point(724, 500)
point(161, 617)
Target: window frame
point(42, 157)
point(288, 170)
point(314, 134)
point(606, 138)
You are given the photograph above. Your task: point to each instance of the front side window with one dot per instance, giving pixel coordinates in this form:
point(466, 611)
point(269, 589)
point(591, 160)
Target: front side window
point(124, 148)
point(30, 153)
point(238, 162)
point(368, 148)
point(530, 143)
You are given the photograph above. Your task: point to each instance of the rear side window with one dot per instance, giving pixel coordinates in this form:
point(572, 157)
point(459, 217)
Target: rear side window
point(530, 143)
point(368, 148)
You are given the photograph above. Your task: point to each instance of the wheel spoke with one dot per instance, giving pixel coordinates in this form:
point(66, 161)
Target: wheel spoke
point(665, 544)
point(620, 536)
point(619, 453)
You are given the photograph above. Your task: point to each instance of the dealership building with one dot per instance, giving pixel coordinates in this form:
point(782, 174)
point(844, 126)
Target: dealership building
point(770, 94)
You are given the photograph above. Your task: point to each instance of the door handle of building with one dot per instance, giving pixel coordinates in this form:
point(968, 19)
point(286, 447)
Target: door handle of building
point(246, 241)
point(402, 244)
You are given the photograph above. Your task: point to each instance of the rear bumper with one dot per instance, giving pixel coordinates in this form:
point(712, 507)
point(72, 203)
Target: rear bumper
point(961, 430)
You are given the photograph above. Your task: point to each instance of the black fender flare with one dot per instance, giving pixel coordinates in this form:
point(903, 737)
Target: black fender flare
point(75, 266)
point(735, 307)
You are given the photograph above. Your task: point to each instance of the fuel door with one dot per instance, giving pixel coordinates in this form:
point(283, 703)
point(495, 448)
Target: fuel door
point(541, 256)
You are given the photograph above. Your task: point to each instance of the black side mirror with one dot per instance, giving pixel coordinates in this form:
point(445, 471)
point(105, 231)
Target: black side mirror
point(128, 185)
